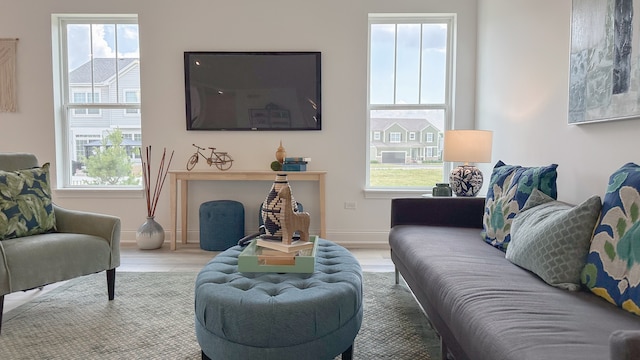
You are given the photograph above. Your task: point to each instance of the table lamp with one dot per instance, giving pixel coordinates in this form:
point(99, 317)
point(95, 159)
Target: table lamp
point(467, 146)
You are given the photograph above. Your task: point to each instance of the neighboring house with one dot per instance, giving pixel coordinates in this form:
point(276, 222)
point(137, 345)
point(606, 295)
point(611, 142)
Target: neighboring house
point(405, 141)
point(89, 126)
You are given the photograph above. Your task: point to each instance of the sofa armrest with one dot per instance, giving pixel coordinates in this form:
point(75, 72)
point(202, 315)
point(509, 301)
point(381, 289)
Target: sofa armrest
point(466, 212)
point(624, 345)
point(83, 222)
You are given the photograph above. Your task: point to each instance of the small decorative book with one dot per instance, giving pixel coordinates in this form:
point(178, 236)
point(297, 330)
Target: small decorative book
point(255, 258)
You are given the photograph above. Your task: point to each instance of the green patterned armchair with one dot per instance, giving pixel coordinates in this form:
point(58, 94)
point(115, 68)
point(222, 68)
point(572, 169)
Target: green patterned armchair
point(41, 243)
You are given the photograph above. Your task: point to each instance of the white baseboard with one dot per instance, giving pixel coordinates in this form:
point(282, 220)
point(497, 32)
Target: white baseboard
point(348, 239)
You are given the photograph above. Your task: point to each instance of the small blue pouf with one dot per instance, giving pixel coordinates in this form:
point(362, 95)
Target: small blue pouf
point(221, 224)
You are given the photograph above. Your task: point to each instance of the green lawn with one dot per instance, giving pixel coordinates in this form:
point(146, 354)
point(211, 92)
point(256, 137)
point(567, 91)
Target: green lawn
point(421, 175)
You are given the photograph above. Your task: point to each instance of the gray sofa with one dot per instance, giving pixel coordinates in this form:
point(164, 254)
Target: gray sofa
point(83, 243)
point(485, 307)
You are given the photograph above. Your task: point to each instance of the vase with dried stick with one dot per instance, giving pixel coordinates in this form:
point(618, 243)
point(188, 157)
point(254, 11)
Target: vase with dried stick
point(150, 234)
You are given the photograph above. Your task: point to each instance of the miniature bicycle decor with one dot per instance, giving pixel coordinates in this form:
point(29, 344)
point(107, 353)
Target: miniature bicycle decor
point(220, 159)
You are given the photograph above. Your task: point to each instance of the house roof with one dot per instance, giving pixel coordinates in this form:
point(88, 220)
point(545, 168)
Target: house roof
point(103, 70)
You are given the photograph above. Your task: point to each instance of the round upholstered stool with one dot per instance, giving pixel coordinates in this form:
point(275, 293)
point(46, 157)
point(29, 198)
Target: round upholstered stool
point(221, 224)
point(279, 316)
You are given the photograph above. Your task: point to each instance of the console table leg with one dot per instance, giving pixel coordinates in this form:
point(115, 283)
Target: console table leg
point(173, 197)
point(184, 189)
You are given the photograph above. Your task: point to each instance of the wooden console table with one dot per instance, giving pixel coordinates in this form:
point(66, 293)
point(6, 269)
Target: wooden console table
point(183, 177)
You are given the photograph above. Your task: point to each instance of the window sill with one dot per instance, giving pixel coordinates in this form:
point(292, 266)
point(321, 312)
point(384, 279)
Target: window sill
point(394, 193)
point(100, 193)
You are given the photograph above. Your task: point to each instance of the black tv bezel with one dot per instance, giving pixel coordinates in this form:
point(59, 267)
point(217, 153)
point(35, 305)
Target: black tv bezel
point(188, 54)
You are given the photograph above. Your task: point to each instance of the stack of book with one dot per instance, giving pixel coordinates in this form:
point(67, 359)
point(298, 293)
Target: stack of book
point(272, 252)
point(295, 163)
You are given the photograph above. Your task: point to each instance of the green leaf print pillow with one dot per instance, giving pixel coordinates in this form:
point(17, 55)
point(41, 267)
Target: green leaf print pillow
point(25, 203)
point(613, 264)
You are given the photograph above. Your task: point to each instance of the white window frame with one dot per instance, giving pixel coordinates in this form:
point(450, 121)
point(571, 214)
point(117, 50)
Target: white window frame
point(395, 137)
point(446, 106)
point(412, 136)
point(377, 136)
point(63, 101)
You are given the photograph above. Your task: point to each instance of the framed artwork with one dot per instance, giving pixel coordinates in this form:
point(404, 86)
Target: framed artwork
point(604, 77)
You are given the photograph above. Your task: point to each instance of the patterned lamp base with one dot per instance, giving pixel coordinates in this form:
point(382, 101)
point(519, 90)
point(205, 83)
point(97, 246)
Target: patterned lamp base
point(466, 180)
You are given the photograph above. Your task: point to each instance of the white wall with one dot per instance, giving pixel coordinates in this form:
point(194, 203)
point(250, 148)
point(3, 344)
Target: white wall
point(522, 95)
point(338, 28)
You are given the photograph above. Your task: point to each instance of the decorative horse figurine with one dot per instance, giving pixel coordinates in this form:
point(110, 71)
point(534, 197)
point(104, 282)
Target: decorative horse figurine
point(292, 221)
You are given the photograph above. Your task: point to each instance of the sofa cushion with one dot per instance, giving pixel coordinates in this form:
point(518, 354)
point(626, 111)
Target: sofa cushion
point(551, 238)
point(509, 189)
point(613, 264)
point(25, 203)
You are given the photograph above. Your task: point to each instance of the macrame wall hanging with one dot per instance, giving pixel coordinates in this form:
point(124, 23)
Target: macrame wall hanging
point(8, 100)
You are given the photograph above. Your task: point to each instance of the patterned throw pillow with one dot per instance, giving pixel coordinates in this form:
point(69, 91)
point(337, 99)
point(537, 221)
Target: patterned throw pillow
point(509, 189)
point(613, 265)
point(25, 203)
point(551, 238)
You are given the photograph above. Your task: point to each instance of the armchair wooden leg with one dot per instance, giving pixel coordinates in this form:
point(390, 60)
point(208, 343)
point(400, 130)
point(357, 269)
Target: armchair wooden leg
point(111, 283)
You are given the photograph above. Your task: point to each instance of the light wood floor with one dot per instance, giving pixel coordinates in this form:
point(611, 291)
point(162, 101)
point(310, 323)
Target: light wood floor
point(187, 257)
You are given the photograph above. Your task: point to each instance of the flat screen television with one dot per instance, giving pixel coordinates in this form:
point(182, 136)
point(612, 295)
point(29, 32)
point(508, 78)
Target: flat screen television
point(252, 90)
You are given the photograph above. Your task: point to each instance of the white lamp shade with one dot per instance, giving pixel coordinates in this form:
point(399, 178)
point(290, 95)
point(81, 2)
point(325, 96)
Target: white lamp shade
point(468, 146)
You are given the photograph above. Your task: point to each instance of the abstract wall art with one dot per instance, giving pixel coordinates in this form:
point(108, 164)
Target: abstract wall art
point(604, 77)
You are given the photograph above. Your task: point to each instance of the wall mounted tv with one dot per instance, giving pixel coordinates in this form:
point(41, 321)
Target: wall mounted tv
point(252, 90)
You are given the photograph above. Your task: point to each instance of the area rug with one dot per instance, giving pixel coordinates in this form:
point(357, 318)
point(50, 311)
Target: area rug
point(152, 318)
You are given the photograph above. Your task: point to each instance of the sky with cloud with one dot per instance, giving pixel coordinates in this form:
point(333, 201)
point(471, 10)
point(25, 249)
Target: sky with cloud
point(101, 40)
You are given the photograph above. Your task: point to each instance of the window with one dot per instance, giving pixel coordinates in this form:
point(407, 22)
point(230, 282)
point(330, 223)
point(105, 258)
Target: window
point(132, 97)
point(412, 136)
point(377, 136)
point(97, 75)
point(410, 65)
point(85, 97)
point(429, 137)
point(432, 152)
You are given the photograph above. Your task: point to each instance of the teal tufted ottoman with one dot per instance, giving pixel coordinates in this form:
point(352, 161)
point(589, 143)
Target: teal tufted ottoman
point(279, 316)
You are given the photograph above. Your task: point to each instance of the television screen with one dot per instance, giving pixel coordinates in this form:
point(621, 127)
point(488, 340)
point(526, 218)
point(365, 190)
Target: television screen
point(252, 90)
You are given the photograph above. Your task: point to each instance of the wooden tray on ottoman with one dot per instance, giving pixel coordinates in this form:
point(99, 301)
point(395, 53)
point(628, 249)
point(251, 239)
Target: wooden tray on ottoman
point(251, 259)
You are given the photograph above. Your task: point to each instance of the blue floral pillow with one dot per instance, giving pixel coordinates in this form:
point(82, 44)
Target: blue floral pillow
point(613, 264)
point(509, 189)
point(25, 203)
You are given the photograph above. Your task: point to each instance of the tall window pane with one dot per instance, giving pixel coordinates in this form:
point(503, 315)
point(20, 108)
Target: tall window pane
point(434, 63)
point(382, 63)
point(408, 69)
